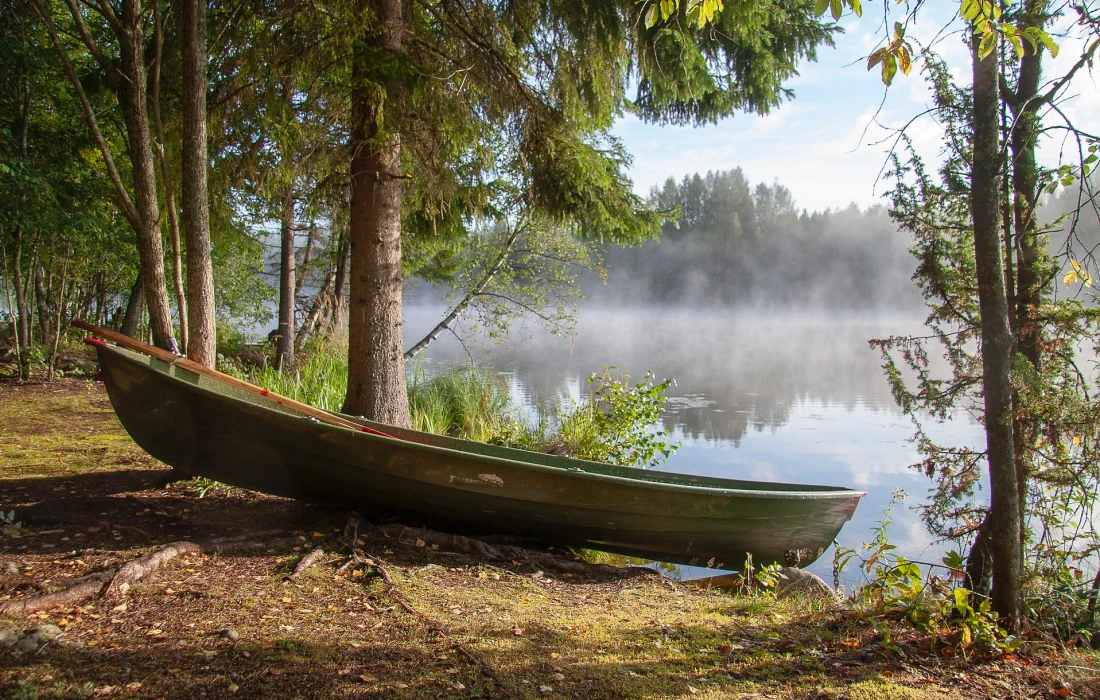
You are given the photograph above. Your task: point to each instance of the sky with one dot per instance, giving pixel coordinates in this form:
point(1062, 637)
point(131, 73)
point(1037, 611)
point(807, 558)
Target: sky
point(827, 145)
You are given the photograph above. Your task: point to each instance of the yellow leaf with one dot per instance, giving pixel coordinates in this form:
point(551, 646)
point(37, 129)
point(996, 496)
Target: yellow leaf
point(1070, 278)
point(905, 62)
point(1076, 440)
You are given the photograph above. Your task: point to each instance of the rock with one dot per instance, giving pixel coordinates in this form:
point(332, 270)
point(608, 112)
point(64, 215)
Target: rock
point(72, 364)
point(8, 636)
point(803, 583)
point(46, 631)
point(230, 634)
point(34, 638)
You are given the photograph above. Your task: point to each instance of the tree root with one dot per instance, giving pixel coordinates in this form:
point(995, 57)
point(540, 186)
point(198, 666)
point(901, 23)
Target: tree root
point(114, 582)
point(305, 563)
point(139, 568)
point(79, 589)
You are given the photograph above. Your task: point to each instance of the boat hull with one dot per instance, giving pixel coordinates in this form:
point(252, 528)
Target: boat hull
point(207, 428)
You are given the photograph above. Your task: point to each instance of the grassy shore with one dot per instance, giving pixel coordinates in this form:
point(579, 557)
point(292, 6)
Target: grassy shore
point(87, 498)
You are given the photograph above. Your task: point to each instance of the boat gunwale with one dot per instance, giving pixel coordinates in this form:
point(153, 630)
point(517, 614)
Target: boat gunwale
point(826, 493)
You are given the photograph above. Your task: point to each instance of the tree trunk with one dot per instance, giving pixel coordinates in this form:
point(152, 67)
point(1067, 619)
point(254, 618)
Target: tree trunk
point(321, 303)
point(1029, 248)
point(376, 367)
point(17, 316)
point(22, 322)
point(169, 186)
point(202, 338)
point(1004, 511)
point(339, 321)
point(135, 308)
point(284, 346)
point(133, 99)
point(101, 299)
point(307, 257)
point(469, 298)
point(43, 301)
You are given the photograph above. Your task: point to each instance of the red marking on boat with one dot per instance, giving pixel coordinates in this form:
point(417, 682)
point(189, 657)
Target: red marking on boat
point(264, 392)
point(372, 431)
point(96, 342)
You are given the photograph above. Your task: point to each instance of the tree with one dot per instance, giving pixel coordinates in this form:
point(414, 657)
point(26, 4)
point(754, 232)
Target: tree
point(1002, 525)
point(447, 98)
point(202, 337)
point(984, 268)
point(64, 246)
point(128, 78)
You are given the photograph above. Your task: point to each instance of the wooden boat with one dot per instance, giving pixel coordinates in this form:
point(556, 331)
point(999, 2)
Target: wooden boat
point(208, 424)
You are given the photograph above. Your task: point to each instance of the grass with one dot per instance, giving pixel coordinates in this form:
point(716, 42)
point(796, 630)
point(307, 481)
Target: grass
point(332, 634)
point(614, 425)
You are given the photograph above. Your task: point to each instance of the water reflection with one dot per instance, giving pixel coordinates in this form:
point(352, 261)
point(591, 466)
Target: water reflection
point(769, 397)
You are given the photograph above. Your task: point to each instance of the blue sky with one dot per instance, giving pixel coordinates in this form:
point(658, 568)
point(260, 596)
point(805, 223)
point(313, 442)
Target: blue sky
point(825, 145)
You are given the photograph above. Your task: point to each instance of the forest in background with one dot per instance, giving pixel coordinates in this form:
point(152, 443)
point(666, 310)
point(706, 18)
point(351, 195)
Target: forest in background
point(739, 244)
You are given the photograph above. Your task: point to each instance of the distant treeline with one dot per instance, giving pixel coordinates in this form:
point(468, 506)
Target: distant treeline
point(737, 244)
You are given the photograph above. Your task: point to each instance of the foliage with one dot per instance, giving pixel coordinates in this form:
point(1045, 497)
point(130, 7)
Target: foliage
point(204, 485)
point(615, 422)
point(934, 604)
point(1054, 420)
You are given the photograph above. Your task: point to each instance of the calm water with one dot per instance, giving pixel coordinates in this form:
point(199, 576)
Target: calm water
point(775, 397)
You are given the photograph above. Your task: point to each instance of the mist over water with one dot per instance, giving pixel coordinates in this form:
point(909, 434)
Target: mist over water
point(779, 396)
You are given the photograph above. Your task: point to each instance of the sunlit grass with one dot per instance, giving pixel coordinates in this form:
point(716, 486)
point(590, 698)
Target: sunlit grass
point(466, 402)
point(472, 403)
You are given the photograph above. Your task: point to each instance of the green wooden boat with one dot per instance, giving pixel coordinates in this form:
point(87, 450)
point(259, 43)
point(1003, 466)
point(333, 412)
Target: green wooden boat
point(212, 428)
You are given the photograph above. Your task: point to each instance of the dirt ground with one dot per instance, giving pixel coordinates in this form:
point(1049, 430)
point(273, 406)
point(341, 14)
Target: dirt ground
point(79, 497)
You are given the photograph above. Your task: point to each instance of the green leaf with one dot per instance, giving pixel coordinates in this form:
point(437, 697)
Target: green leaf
point(837, 8)
point(857, 7)
point(987, 44)
point(970, 10)
point(899, 31)
point(651, 16)
point(1017, 45)
point(962, 596)
point(820, 6)
point(1026, 36)
point(1047, 42)
point(889, 69)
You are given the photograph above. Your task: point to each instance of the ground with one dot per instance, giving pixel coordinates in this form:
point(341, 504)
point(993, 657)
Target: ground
point(86, 498)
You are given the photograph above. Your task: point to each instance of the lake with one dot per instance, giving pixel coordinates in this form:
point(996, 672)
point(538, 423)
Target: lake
point(773, 396)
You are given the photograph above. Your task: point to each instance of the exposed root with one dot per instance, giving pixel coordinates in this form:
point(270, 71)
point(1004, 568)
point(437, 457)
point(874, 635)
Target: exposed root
point(141, 567)
point(113, 583)
point(78, 589)
point(305, 563)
